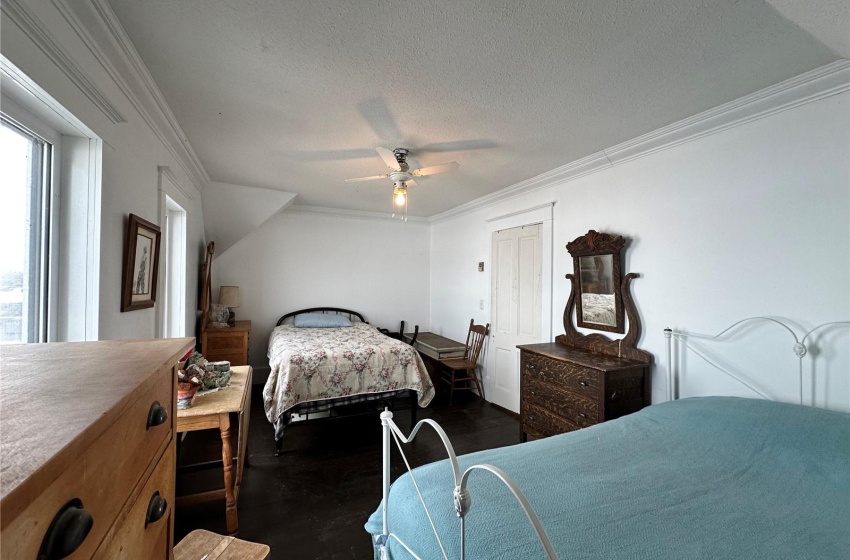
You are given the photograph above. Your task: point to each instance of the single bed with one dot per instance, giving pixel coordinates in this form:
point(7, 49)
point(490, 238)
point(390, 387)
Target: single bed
point(701, 477)
point(320, 370)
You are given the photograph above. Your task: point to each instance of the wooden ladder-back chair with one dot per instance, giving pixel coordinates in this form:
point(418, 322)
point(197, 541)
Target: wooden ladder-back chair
point(467, 366)
point(415, 334)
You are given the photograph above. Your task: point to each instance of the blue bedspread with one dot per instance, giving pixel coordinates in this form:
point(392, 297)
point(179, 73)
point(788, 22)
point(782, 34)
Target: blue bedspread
point(697, 478)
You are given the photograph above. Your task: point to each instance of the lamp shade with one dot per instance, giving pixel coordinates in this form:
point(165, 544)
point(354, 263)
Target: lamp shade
point(229, 296)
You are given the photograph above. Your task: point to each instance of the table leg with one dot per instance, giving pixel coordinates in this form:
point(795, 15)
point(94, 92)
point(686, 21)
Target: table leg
point(229, 482)
point(242, 449)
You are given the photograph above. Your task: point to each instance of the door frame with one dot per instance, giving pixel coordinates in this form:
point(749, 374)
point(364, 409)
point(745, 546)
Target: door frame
point(169, 188)
point(542, 214)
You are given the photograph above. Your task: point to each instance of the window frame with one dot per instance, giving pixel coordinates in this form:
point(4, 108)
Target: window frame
point(42, 211)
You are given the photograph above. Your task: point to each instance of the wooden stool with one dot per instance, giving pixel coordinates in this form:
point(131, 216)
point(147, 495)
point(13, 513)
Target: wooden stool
point(210, 546)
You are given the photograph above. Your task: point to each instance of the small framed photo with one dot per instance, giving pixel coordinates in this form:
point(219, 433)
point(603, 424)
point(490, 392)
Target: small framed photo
point(141, 264)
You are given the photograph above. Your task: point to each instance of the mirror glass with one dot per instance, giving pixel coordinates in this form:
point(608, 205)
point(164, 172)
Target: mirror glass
point(598, 303)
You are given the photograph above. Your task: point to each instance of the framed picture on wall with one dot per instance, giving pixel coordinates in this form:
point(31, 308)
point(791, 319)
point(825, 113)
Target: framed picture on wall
point(141, 264)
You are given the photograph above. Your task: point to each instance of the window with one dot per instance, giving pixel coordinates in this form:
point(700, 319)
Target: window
point(25, 163)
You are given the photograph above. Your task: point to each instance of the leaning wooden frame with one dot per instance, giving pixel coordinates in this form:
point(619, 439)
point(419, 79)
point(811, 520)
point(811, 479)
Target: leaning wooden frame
point(462, 498)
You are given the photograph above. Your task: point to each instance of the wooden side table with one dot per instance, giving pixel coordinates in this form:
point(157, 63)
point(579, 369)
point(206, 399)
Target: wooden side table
point(205, 545)
point(213, 411)
point(229, 343)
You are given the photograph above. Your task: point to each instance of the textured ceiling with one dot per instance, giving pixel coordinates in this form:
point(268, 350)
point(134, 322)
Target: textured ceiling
point(295, 95)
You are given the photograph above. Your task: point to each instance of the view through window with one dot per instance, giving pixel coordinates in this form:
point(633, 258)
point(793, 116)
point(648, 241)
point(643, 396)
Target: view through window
point(23, 249)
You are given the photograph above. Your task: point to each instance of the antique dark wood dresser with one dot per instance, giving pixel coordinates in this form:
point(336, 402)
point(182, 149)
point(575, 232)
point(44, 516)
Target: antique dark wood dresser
point(580, 380)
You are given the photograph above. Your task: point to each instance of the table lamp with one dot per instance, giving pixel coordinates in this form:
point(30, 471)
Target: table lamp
point(229, 297)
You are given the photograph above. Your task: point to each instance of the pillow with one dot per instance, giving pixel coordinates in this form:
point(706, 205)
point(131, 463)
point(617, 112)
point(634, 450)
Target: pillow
point(321, 320)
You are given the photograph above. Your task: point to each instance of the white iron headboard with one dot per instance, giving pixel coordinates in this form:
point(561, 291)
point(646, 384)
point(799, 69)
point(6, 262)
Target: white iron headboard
point(798, 348)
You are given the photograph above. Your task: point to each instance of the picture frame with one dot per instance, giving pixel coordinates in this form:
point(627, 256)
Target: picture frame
point(141, 264)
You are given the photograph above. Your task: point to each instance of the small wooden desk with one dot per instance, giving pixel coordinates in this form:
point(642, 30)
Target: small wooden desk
point(213, 411)
point(433, 348)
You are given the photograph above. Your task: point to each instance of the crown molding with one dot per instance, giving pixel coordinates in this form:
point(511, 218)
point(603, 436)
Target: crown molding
point(828, 80)
point(832, 79)
point(37, 32)
point(358, 214)
point(124, 66)
point(166, 126)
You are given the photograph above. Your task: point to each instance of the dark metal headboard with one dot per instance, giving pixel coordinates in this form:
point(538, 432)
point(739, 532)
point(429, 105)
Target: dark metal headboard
point(339, 311)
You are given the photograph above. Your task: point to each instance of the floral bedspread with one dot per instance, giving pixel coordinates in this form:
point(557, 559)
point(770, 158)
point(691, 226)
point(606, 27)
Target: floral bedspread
point(313, 364)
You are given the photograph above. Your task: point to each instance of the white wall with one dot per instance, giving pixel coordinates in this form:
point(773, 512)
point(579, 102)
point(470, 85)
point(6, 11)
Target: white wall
point(297, 260)
point(83, 51)
point(749, 221)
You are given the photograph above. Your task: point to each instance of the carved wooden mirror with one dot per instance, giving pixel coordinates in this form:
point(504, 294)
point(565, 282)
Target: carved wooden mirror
point(596, 265)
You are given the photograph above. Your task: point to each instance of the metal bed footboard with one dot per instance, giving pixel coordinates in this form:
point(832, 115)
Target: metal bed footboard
point(462, 499)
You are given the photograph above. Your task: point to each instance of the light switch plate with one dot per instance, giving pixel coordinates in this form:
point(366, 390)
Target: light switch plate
point(481, 266)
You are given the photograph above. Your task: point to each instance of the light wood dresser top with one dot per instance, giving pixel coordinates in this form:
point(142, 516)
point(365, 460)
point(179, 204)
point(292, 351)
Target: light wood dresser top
point(51, 393)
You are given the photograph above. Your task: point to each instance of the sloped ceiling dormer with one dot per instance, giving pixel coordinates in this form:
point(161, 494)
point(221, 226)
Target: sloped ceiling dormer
point(233, 211)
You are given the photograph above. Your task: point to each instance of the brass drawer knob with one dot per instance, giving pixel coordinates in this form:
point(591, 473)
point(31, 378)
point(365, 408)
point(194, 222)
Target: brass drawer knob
point(67, 531)
point(156, 509)
point(157, 415)
point(532, 366)
point(583, 383)
point(582, 414)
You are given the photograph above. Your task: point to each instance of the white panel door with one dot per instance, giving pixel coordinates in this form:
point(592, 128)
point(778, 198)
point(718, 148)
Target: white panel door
point(516, 307)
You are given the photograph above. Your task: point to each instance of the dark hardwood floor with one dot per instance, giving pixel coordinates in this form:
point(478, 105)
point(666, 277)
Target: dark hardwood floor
point(312, 502)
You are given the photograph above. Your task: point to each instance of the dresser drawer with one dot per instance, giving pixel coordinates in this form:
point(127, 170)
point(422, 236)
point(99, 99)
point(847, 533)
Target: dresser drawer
point(102, 476)
point(225, 342)
point(133, 537)
point(580, 380)
point(541, 423)
point(578, 409)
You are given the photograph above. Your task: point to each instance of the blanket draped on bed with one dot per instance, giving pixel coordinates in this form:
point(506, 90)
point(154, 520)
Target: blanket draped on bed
point(314, 364)
point(719, 478)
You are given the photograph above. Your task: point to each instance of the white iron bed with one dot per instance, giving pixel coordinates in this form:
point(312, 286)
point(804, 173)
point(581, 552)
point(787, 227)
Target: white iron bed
point(721, 502)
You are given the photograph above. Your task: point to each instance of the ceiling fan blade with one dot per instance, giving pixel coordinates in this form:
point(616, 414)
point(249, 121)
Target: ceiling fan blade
point(434, 169)
point(358, 179)
point(411, 183)
point(389, 158)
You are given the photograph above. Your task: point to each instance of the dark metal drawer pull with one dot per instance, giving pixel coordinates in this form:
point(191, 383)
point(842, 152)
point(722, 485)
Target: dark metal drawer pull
point(157, 415)
point(67, 531)
point(156, 509)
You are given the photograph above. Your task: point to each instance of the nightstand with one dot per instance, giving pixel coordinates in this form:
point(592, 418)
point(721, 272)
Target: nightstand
point(229, 344)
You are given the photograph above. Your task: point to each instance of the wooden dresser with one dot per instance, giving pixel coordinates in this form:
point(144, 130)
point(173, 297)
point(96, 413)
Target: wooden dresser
point(229, 344)
point(87, 449)
point(563, 388)
point(584, 379)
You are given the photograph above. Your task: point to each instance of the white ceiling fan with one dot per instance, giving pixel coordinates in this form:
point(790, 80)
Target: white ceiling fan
point(402, 176)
